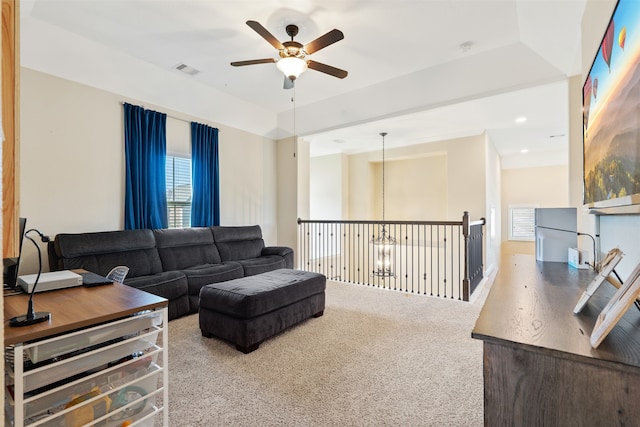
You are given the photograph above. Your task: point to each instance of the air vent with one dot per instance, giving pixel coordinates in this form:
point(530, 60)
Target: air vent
point(187, 69)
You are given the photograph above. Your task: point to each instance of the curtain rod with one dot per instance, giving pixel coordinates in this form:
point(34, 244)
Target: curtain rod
point(169, 115)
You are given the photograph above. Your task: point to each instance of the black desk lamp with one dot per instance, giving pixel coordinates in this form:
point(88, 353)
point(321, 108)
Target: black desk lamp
point(32, 316)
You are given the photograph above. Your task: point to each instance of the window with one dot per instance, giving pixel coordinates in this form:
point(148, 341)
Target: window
point(522, 222)
point(178, 191)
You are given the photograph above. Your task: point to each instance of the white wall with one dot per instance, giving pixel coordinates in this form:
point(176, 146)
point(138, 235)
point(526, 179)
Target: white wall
point(360, 187)
point(415, 189)
point(72, 162)
point(463, 182)
point(545, 186)
point(327, 189)
point(57, 51)
point(493, 215)
point(293, 184)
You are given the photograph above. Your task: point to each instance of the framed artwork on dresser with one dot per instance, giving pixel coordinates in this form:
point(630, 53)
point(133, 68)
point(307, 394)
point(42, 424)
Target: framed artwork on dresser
point(616, 307)
point(605, 267)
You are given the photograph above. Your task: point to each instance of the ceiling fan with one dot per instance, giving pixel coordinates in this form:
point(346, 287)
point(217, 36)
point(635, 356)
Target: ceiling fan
point(292, 61)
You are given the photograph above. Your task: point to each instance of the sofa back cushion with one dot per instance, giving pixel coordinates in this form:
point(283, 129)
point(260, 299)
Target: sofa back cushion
point(237, 243)
point(101, 251)
point(181, 248)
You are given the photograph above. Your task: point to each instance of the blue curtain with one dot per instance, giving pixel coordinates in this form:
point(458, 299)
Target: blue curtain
point(145, 143)
point(205, 205)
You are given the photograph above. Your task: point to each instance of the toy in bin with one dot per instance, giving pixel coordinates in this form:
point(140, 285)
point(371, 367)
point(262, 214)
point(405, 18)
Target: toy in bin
point(98, 408)
point(89, 412)
point(129, 398)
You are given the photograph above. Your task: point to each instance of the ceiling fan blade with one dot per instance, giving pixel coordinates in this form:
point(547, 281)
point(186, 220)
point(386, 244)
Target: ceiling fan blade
point(323, 41)
point(327, 69)
point(253, 61)
point(288, 83)
point(258, 28)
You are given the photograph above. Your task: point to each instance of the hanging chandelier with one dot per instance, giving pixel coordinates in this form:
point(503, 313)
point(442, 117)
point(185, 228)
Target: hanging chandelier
point(384, 244)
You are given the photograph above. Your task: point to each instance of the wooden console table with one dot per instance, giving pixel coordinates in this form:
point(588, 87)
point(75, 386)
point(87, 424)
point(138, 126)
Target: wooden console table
point(101, 342)
point(539, 367)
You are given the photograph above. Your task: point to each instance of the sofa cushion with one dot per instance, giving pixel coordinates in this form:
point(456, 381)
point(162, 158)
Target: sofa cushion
point(181, 248)
point(202, 275)
point(101, 251)
point(236, 243)
point(171, 285)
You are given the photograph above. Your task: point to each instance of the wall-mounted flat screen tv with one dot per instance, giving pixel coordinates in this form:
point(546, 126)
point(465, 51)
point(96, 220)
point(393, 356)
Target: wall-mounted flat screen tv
point(611, 114)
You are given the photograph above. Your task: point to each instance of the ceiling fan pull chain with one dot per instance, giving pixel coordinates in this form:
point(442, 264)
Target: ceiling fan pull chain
point(295, 137)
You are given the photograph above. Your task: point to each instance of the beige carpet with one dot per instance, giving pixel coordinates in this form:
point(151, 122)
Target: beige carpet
point(376, 358)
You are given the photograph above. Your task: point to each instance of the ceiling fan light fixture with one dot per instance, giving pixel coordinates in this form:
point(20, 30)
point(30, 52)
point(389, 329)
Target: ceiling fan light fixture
point(292, 54)
point(292, 67)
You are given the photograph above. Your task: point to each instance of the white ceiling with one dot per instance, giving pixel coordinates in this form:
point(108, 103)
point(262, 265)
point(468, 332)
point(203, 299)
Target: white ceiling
point(408, 75)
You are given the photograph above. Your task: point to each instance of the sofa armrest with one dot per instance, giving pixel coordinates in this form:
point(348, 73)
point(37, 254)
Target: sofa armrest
point(276, 250)
point(283, 251)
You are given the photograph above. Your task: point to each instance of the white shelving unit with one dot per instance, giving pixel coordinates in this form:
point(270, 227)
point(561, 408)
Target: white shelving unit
point(112, 374)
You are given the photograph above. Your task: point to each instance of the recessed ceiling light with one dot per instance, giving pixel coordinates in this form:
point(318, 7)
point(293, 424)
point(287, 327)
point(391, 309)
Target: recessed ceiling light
point(524, 151)
point(521, 119)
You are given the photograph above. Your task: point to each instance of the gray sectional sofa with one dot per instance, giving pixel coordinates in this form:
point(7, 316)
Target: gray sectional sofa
point(172, 263)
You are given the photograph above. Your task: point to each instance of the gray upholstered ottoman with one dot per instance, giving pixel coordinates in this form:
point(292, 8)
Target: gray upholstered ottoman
point(249, 310)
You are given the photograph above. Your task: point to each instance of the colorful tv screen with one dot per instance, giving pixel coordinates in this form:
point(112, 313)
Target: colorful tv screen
point(611, 112)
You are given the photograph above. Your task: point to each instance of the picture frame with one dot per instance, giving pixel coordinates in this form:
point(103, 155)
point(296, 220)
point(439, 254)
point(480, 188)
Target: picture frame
point(611, 126)
point(616, 307)
point(605, 267)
